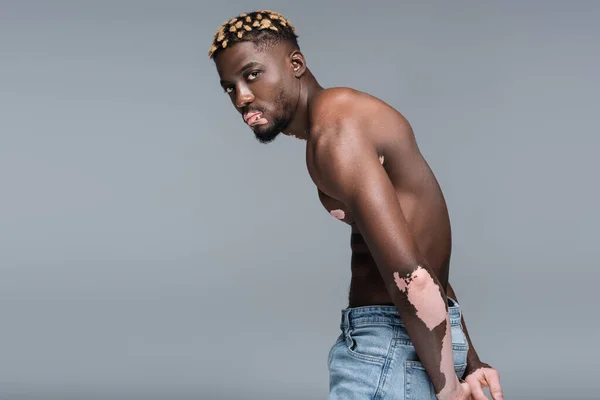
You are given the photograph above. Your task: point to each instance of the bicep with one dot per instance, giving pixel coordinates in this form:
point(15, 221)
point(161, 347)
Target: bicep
point(352, 172)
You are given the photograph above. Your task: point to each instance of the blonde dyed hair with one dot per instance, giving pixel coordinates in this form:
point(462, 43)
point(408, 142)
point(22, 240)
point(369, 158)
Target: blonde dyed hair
point(262, 26)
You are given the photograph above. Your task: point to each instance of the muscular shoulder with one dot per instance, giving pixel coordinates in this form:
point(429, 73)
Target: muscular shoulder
point(339, 134)
point(353, 110)
point(336, 115)
point(352, 130)
point(336, 97)
point(335, 106)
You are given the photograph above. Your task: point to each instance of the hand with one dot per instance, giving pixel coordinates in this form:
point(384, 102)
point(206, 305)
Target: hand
point(484, 376)
point(463, 393)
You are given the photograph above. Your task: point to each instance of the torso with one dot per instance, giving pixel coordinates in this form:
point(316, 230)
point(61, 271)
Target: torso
point(418, 193)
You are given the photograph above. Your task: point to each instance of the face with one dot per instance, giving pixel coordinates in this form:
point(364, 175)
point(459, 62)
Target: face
point(262, 86)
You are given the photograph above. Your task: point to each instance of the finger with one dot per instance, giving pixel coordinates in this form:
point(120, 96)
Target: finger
point(466, 390)
point(493, 379)
point(476, 389)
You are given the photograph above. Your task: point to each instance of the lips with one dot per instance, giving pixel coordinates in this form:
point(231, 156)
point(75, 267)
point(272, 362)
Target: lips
point(249, 117)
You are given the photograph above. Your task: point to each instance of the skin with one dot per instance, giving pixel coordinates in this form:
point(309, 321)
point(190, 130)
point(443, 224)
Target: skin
point(363, 158)
point(420, 289)
point(339, 214)
point(432, 313)
point(478, 374)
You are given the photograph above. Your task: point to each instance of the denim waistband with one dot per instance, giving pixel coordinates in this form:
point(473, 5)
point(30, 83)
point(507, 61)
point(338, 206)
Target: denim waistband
point(352, 316)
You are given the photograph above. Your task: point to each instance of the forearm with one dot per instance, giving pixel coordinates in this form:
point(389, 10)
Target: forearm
point(473, 361)
point(423, 307)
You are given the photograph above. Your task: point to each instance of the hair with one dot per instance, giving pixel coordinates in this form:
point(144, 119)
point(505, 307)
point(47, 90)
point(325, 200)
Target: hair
point(264, 28)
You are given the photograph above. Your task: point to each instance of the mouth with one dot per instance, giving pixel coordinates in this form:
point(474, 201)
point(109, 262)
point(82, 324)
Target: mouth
point(254, 118)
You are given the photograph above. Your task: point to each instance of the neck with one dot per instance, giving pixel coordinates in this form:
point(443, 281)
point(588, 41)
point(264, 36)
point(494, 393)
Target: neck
point(309, 88)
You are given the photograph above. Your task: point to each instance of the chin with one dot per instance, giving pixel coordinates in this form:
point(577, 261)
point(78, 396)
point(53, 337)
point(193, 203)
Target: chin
point(266, 133)
point(266, 137)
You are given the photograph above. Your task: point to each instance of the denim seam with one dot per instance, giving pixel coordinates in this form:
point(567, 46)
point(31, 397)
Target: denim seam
point(403, 342)
point(385, 370)
point(407, 342)
point(406, 381)
point(356, 321)
point(408, 365)
point(363, 357)
point(375, 320)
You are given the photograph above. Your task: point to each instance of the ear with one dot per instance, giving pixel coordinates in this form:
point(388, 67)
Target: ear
point(298, 64)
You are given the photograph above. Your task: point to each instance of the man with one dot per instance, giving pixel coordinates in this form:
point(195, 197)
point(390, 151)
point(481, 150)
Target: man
point(403, 335)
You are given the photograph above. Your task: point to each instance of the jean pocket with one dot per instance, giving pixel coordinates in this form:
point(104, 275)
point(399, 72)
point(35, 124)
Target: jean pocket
point(417, 385)
point(460, 359)
point(369, 343)
point(460, 348)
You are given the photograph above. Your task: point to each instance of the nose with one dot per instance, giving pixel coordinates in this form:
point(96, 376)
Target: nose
point(243, 97)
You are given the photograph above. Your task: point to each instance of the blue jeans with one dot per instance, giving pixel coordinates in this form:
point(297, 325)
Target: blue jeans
point(374, 359)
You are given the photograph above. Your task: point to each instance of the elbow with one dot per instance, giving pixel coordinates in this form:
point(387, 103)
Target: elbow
point(416, 279)
point(421, 290)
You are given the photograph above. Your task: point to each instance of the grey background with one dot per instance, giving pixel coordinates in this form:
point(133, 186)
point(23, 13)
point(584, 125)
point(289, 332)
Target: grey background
point(151, 248)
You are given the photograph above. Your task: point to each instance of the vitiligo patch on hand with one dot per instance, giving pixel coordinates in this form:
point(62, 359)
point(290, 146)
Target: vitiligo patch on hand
point(339, 214)
point(427, 300)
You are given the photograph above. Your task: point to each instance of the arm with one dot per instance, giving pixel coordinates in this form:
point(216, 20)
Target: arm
point(478, 374)
point(344, 164)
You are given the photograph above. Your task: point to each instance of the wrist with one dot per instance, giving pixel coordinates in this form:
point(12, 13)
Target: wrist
point(472, 356)
point(474, 364)
point(450, 391)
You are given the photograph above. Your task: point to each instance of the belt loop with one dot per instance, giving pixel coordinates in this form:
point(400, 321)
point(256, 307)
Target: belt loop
point(347, 321)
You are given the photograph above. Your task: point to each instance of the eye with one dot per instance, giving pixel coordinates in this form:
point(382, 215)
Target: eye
point(228, 89)
point(253, 75)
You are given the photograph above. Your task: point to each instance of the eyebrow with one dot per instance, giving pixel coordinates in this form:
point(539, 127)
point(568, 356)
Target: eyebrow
point(251, 64)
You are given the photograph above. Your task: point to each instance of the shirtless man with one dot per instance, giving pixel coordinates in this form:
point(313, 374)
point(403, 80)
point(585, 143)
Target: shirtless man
point(402, 334)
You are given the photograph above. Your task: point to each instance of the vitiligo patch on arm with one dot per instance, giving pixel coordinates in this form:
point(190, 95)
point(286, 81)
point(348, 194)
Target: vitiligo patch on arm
point(447, 363)
point(430, 306)
point(424, 294)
